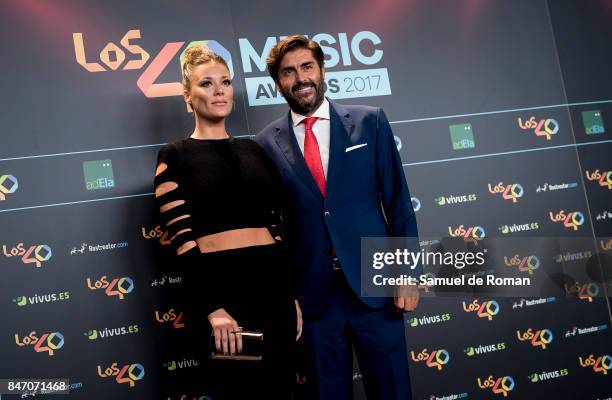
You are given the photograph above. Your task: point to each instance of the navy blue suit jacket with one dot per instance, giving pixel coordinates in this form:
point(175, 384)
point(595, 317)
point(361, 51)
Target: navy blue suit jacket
point(366, 195)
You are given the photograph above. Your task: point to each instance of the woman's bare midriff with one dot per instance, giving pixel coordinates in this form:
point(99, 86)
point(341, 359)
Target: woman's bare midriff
point(234, 239)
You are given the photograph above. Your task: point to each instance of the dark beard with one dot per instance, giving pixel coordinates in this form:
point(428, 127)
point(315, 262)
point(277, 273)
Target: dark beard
point(305, 108)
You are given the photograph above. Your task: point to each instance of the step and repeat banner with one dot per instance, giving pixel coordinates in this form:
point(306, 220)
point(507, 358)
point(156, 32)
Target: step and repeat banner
point(502, 113)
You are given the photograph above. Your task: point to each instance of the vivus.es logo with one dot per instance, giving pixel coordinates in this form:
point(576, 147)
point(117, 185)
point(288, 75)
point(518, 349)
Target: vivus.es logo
point(41, 299)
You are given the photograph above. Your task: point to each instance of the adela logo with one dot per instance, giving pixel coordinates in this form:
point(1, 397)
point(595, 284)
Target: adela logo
point(36, 254)
point(488, 309)
point(123, 286)
point(462, 136)
point(48, 342)
point(571, 220)
point(600, 364)
point(544, 127)
point(146, 81)
point(604, 178)
point(437, 358)
point(524, 264)
point(471, 234)
point(501, 385)
point(130, 373)
point(539, 338)
point(509, 192)
point(8, 185)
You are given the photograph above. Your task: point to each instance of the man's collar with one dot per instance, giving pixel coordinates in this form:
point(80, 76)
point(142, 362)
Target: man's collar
point(322, 113)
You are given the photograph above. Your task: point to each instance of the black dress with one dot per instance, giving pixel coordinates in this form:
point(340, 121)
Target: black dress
point(220, 185)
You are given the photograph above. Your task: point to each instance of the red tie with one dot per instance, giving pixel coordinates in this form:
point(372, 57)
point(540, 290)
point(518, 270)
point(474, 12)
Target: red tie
point(313, 156)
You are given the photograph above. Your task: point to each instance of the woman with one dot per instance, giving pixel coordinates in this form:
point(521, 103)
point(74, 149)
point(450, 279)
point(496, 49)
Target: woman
point(219, 198)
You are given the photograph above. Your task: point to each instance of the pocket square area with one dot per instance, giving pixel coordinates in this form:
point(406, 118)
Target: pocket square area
point(357, 146)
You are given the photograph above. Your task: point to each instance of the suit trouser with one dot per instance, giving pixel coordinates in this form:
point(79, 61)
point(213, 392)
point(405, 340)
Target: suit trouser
point(378, 336)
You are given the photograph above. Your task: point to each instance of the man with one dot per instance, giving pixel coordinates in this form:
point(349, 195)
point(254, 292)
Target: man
point(344, 180)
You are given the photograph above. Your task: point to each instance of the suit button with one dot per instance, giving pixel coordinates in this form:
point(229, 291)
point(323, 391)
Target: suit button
point(327, 213)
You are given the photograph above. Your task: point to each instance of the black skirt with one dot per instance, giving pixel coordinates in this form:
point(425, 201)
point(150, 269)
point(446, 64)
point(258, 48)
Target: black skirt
point(255, 284)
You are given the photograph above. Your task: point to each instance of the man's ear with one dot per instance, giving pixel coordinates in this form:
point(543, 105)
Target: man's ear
point(323, 73)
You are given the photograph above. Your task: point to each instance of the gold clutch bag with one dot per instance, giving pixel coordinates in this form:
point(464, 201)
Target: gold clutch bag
point(252, 347)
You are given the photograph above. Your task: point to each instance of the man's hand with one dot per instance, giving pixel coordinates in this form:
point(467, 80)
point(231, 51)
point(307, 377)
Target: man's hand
point(225, 328)
point(406, 297)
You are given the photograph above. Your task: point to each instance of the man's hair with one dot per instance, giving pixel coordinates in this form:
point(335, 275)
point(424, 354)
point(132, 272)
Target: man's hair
point(291, 43)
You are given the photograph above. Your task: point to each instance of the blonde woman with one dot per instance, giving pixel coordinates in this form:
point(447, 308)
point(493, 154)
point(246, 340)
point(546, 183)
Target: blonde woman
point(220, 199)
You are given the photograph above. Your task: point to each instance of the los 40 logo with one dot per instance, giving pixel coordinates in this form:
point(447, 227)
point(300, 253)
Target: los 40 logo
point(116, 287)
point(540, 337)
point(171, 316)
point(437, 358)
point(571, 220)
point(600, 364)
point(146, 81)
point(470, 234)
point(501, 385)
point(488, 309)
point(48, 342)
point(8, 185)
point(156, 233)
point(130, 373)
point(35, 254)
point(544, 127)
point(524, 264)
point(513, 191)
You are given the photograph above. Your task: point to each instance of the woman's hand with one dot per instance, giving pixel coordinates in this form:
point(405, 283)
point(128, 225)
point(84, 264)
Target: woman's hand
point(225, 328)
point(298, 311)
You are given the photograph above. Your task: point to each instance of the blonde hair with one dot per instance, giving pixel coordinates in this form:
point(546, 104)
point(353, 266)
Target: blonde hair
point(194, 56)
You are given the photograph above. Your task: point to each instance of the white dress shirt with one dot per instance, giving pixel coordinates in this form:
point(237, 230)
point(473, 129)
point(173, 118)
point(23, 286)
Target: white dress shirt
point(321, 130)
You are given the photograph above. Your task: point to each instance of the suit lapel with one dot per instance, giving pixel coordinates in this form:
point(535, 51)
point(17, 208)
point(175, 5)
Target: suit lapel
point(286, 141)
point(340, 129)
